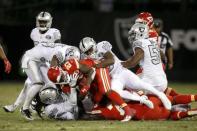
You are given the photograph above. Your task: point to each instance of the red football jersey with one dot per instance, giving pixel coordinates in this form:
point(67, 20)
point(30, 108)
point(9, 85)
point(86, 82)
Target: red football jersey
point(71, 66)
point(88, 62)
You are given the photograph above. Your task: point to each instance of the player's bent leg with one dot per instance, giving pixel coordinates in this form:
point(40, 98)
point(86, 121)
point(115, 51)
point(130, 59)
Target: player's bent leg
point(33, 73)
point(134, 82)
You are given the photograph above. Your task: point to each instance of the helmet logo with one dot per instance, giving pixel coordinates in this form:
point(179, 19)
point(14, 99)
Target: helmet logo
point(141, 29)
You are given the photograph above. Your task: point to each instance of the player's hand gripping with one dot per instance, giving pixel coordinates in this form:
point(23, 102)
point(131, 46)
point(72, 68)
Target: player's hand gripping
point(73, 79)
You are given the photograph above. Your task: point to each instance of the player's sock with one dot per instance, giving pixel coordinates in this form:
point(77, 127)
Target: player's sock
point(182, 114)
point(115, 97)
point(31, 94)
point(178, 115)
point(170, 92)
point(184, 99)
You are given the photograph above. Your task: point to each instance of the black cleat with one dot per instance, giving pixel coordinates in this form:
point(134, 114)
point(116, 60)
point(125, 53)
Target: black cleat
point(26, 114)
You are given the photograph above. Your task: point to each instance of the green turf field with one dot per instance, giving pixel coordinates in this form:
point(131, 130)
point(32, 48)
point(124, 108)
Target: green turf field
point(14, 121)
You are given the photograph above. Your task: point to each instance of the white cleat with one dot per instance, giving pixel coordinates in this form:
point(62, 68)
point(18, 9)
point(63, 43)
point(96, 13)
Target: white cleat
point(166, 102)
point(9, 108)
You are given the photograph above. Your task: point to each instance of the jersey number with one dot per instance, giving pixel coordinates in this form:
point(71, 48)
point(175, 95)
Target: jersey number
point(67, 65)
point(154, 54)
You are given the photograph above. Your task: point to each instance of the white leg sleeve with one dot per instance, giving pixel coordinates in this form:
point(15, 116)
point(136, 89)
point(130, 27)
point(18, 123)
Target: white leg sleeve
point(20, 99)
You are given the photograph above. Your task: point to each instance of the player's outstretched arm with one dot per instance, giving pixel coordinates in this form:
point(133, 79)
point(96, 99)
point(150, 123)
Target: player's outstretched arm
point(7, 64)
point(135, 59)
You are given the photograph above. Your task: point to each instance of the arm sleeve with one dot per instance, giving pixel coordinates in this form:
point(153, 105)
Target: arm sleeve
point(138, 44)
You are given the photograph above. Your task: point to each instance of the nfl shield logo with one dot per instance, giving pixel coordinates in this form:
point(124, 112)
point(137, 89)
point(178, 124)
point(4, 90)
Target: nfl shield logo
point(121, 28)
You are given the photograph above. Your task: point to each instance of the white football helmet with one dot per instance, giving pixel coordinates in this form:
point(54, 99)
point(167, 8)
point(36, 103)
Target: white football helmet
point(88, 47)
point(43, 21)
point(72, 52)
point(48, 95)
point(138, 31)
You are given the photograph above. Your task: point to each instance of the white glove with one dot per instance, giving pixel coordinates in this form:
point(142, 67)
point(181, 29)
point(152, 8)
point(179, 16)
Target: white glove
point(73, 79)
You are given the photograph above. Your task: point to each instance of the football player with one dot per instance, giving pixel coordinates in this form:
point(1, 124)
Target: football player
point(111, 111)
point(43, 33)
point(59, 105)
point(146, 53)
point(121, 77)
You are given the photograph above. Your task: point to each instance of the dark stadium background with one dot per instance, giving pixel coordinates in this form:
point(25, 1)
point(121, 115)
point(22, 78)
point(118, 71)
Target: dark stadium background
point(96, 18)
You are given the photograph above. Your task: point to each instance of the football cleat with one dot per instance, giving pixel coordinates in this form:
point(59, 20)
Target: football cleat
point(10, 108)
point(26, 114)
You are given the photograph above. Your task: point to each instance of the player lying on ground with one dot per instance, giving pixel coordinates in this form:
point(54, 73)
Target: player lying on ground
point(111, 111)
point(59, 105)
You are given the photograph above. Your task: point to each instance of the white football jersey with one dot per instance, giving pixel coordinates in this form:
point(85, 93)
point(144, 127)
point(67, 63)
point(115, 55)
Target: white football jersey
point(48, 37)
point(44, 53)
point(102, 48)
point(151, 64)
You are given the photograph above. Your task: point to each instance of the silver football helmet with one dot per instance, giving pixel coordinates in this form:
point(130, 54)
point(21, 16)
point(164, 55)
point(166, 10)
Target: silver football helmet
point(72, 52)
point(138, 31)
point(88, 47)
point(43, 21)
point(48, 95)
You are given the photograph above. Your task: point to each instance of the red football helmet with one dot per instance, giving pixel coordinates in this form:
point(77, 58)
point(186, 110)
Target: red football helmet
point(58, 76)
point(54, 74)
point(145, 17)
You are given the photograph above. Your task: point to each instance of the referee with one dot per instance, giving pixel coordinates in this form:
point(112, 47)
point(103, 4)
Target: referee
point(165, 44)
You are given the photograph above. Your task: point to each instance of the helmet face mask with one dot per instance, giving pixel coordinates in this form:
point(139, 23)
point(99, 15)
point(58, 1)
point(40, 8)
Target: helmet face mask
point(138, 31)
point(88, 47)
point(43, 21)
